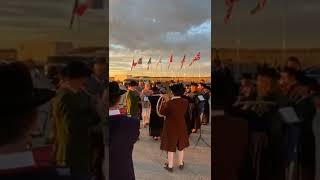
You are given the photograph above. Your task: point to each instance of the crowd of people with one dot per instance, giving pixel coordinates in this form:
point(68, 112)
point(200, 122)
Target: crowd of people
point(281, 106)
point(74, 146)
point(185, 107)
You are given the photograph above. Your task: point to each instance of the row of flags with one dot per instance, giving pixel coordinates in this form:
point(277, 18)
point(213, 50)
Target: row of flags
point(231, 3)
point(81, 6)
point(170, 61)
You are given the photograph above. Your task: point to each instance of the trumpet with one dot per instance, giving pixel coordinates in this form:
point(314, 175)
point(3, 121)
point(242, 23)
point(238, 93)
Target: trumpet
point(163, 99)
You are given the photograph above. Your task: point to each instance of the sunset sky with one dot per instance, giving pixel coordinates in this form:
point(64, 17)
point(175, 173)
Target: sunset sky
point(23, 20)
point(153, 28)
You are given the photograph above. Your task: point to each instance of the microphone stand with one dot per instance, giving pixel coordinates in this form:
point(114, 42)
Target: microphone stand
point(200, 136)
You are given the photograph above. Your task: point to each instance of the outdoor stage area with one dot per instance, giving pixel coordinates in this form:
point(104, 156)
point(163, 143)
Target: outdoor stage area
point(148, 159)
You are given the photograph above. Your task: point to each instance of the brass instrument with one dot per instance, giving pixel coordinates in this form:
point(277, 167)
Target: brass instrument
point(162, 100)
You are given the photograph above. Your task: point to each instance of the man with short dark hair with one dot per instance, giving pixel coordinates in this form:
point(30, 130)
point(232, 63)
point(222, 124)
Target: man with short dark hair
point(294, 63)
point(18, 112)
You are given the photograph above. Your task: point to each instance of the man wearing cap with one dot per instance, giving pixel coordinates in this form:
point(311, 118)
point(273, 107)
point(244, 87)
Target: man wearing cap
point(124, 132)
point(75, 117)
point(18, 112)
point(132, 100)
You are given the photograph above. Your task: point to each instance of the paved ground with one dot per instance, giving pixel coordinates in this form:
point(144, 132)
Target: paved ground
point(148, 159)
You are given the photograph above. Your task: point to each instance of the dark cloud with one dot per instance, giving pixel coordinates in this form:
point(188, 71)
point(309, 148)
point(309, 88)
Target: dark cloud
point(153, 24)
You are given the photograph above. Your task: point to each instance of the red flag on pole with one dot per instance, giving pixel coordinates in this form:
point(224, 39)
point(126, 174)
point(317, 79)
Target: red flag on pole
point(261, 4)
point(82, 7)
point(195, 58)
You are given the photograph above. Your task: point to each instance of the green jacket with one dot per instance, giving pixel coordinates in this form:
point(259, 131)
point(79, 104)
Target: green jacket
point(73, 116)
point(132, 101)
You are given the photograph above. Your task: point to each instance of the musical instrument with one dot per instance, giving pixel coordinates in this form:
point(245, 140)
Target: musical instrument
point(162, 100)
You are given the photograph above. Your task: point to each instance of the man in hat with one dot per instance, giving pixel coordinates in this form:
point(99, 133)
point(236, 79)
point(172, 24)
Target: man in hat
point(75, 119)
point(174, 135)
point(124, 132)
point(18, 112)
point(132, 100)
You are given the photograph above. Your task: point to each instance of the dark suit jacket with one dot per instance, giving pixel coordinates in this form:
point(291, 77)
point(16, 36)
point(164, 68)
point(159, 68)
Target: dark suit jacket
point(124, 132)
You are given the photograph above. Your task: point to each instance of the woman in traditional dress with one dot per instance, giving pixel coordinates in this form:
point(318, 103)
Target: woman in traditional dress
point(174, 135)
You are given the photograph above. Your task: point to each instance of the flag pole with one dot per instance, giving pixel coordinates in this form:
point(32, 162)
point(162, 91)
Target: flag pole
point(161, 72)
point(73, 10)
point(284, 30)
point(199, 71)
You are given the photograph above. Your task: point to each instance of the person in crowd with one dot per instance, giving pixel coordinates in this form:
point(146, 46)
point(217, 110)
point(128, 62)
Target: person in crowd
point(194, 108)
point(139, 89)
point(18, 116)
point(75, 117)
point(202, 81)
point(247, 87)
point(146, 106)
point(174, 135)
point(205, 109)
point(265, 145)
point(95, 86)
point(288, 82)
point(158, 85)
point(156, 122)
point(140, 86)
point(132, 100)
point(124, 132)
point(294, 63)
point(155, 90)
point(187, 90)
point(305, 110)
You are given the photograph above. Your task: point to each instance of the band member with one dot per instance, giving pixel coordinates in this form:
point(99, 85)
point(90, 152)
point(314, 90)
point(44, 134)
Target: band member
point(205, 110)
point(156, 122)
point(124, 132)
point(194, 108)
point(174, 135)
